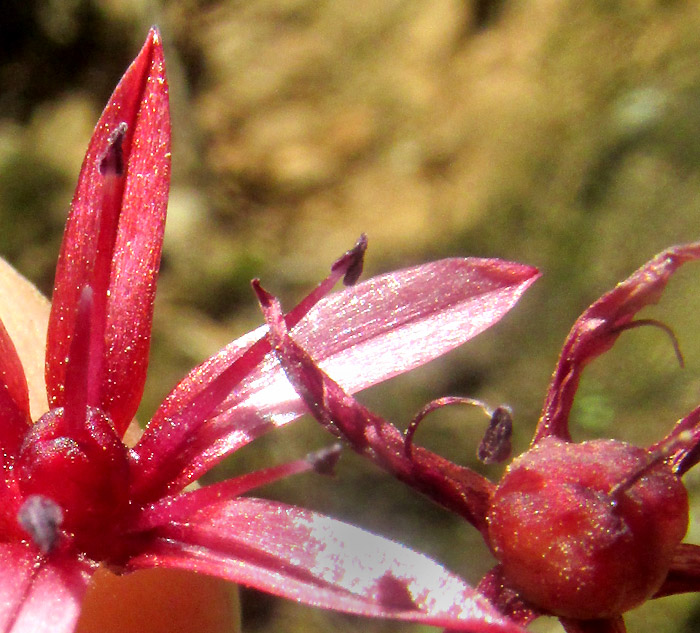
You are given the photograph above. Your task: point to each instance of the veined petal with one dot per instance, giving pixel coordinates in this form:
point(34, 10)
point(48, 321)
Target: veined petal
point(361, 336)
point(399, 321)
point(121, 207)
point(316, 560)
point(597, 329)
point(39, 595)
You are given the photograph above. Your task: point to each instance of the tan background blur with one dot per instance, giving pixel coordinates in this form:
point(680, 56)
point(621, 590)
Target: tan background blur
point(558, 133)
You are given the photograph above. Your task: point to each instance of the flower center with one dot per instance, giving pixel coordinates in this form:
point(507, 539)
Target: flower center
point(574, 538)
point(74, 482)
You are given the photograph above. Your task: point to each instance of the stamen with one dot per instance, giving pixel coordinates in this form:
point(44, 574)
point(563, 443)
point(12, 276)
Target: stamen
point(494, 447)
point(662, 326)
point(41, 518)
point(181, 505)
point(112, 168)
point(349, 266)
point(194, 413)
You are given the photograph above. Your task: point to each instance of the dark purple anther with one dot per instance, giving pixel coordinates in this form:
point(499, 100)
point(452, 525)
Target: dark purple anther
point(112, 163)
point(495, 446)
point(324, 460)
point(354, 259)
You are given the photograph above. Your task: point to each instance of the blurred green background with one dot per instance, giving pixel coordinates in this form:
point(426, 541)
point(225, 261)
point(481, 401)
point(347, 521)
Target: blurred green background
point(554, 132)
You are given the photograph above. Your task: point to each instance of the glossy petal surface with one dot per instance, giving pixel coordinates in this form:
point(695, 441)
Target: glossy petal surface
point(385, 326)
point(132, 253)
point(39, 597)
point(313, 559)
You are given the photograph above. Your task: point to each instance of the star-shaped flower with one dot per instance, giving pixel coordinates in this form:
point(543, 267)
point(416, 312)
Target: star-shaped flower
point(582, 531)
point(75, 496)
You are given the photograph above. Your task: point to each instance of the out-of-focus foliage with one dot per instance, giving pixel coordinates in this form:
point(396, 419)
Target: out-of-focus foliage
point(559, 133)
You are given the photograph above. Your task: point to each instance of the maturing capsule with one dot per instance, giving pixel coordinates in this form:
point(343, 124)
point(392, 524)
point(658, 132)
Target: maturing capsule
point(574, 539)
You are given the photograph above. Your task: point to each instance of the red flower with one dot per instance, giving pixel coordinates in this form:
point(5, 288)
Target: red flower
point(581, 531)
point(76, 497)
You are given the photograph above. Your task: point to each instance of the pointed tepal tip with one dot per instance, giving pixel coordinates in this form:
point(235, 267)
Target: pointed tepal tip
point(153, 46)
point(155, 39)
point(154, 33)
